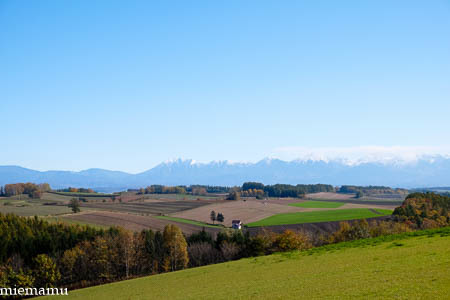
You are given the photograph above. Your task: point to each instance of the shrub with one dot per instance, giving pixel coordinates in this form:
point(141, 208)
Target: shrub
point(359, 230)
point(289, 240)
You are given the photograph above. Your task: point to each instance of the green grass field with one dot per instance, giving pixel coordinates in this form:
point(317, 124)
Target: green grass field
point(317, 204)
point(181, 220)
point(407, 266)
point(319, 216)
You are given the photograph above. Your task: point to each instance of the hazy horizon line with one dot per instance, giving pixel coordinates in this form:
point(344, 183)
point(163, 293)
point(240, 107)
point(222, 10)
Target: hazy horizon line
point(351, 156)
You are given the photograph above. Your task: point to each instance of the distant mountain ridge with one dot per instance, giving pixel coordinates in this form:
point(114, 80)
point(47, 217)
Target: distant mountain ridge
point(422, 173)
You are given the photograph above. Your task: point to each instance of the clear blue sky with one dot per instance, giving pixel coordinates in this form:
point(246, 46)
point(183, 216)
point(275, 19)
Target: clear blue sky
point(125, 85)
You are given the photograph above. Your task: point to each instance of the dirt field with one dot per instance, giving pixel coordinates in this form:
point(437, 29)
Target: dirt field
point(354, 205)
point(147, 207)
point(330, 196)
point(283, 201)
point(246, 211)
point(132, 222)
point(375, 198)
point(254, 210)
point(180, 197)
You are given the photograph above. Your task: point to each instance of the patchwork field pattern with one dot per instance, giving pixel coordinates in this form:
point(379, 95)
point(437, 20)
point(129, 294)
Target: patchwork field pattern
point(133, 222)
point(246, 211)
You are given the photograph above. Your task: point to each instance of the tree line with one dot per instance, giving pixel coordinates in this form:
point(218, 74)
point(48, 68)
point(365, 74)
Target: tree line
point(371, 190)
point(34, 252)
point(248, 189)
point(76, 190)
point(162, 189)
point(30, 189)
point(182, 189)
point(285, 190)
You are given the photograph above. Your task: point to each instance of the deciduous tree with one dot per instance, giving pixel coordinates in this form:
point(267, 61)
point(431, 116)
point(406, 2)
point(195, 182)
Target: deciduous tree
point(74, 204)
point(175, 254)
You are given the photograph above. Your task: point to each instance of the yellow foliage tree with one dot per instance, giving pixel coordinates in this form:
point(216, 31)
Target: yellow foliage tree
point(176, 255)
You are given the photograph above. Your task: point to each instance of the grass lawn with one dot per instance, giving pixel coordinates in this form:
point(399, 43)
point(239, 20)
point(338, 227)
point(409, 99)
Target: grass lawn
point(181, 220)
point(392, 267)
point(318, 204)
point(319, 216)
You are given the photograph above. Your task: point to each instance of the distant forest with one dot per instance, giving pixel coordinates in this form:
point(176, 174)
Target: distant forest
point(182, 189)
point(30, 189)
point(287, 190)
point(248, 189)
point(371, 190)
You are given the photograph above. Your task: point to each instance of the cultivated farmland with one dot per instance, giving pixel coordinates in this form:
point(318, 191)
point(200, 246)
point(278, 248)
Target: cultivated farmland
point(317, 204)
point(189, 209)
point(381, 199)
point(320, 216)
point(246, 211)
point(147, 208)
point(133, 222)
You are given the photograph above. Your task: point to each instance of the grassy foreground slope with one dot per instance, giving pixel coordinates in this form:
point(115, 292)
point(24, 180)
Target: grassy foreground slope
point(401, 267)
point(320, 216)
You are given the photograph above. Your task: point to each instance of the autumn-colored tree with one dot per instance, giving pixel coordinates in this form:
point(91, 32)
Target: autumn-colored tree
point(346, 232)
point(175, 254)
point(425, 210)
point(123, 249)
point(290, 240)
point(45, 272)
point(44, 187)
point(14, 189)
point(15, 278)
point(73, 265)
point(37, 194)
point(234, 195)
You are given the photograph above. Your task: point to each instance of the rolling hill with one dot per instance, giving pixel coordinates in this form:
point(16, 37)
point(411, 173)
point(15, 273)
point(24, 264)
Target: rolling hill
point(407, 266)
point(426, 172)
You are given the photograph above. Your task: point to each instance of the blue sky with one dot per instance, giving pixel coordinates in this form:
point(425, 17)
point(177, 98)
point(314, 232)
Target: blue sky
point(125, 85)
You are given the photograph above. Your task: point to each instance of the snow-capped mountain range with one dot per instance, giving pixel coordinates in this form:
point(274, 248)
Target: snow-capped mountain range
point(424, 172)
